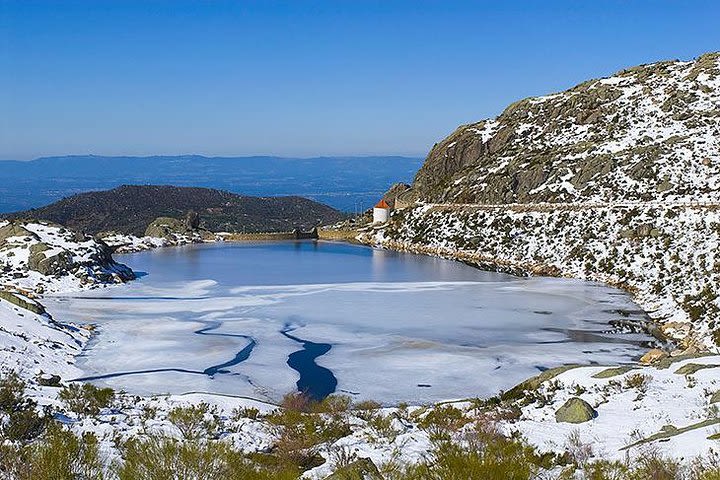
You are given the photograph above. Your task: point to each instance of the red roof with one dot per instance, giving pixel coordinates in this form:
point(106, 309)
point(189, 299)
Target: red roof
point(382, 204)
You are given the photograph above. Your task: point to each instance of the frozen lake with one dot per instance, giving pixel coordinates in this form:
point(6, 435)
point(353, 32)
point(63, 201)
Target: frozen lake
point(264, 319)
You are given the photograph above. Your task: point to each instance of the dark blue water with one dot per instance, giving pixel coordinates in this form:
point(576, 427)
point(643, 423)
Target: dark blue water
point(315, 381)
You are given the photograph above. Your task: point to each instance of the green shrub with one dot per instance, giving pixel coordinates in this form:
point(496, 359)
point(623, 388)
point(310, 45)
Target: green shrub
point(12, 393)
point(195, 421)
point(653, 465)
point(245, 412)
point(500, 459)
point(85, 398)
point(366, 410)
point(162, 458)
point(63, 456)
point(605, 470)
point(297, 401)
point(639, 381)
point(333, 404)
point(382, 425)
point(301, 433)
point(442, 421)
point(22, 423)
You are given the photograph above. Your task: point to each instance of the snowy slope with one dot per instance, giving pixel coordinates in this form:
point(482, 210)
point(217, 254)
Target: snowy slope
point(31, 344)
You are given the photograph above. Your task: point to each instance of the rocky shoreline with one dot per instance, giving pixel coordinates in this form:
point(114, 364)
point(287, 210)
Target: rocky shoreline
point(662, 255)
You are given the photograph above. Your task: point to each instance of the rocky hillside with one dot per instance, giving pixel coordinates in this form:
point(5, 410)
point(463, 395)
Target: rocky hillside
point(650, 132)
point(615, 180)
point(129, 209)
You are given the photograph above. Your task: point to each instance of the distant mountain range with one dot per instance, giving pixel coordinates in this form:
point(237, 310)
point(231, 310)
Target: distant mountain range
point(346, 183)
point(131, 208)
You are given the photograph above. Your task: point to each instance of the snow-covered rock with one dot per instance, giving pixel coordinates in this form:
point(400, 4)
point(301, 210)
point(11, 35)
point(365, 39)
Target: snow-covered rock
point(43, 257)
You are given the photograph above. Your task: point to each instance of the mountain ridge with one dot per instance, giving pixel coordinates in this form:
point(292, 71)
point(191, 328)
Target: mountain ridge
point(616, 180)
point(647, 132)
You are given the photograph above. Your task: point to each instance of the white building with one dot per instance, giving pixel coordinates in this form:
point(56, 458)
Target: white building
point(381, 212)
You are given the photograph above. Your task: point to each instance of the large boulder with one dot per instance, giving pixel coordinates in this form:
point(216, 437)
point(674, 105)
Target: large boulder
point(192, 220)
point(575, 410)
point(165, 227)
point(653, 356)
point(56, 263)
point(14, 229)
point(22, 302)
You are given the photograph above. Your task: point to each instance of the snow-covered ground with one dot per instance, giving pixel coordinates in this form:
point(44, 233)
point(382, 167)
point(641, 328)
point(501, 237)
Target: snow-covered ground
point(39, 258)
point(34, 344)
point(668, 399)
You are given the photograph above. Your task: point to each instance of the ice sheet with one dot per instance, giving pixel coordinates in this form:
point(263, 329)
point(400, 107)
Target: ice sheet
point(402, 327)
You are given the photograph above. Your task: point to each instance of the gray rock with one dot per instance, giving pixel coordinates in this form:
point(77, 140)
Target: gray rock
point(575, 410)
point(55, 264)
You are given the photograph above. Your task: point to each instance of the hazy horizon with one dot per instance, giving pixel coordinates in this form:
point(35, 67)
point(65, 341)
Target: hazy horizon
point(238, 157)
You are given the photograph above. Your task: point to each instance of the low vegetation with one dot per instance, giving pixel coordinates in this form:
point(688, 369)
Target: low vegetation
point(85, 398)
point(464, 442)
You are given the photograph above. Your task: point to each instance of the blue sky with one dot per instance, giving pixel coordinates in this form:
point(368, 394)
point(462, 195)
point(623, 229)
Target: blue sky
point(306, 78)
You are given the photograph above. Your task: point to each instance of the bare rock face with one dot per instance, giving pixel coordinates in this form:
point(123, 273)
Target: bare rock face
point(653, 356)
point(395, 194)
point(15, 229)
point(646, 133)
point(165, 227)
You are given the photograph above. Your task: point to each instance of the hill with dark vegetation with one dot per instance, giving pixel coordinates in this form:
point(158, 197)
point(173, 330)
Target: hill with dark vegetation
point(130, 209)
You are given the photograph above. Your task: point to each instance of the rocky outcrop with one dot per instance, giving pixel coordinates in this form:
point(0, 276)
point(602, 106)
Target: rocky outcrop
point(39, 255)
point(46, 261)
point(22, 302)
point(394, 193)
point(177, 232)
point(615, 180)
point(646, 133)
point(653, 356)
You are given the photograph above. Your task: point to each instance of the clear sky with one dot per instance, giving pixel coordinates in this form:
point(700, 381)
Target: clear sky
point(306, 78)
